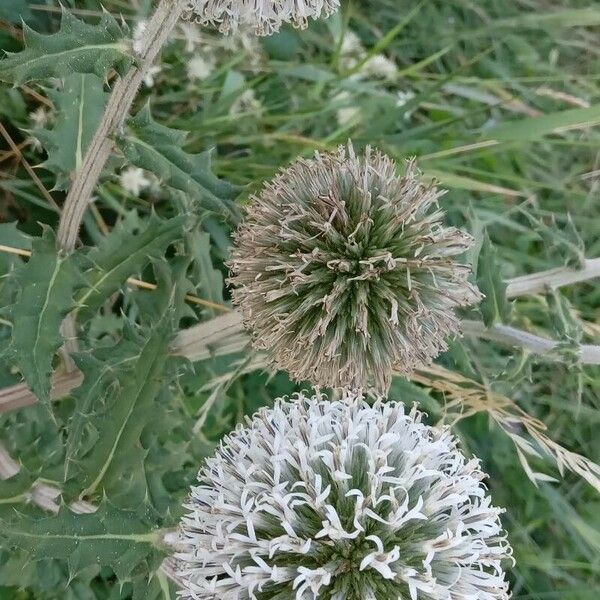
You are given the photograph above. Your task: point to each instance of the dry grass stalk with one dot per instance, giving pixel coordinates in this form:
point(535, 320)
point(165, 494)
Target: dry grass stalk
point(465, 397)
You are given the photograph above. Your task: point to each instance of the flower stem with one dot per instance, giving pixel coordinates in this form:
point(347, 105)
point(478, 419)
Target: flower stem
point(119, 104)
point(510, 336)
point(539, 283)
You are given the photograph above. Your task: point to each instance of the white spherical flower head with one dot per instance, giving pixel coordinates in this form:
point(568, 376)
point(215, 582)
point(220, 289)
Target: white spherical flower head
point(345, 272)
point(264, 16)
point(341, 501)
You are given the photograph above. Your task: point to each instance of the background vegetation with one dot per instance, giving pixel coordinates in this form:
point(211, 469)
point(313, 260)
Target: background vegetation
point(497, 98)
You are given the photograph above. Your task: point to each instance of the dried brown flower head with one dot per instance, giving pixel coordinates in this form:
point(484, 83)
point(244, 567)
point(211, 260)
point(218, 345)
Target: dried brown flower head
point(345, 273)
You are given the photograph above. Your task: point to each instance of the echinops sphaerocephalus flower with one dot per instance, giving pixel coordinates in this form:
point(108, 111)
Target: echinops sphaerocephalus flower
point(341, 500)
point(344, 271)
point(264, 16)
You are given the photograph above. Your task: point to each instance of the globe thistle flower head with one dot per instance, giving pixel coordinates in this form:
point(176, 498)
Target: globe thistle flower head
point(264, 16)
point(345, 273)
point(341, 501)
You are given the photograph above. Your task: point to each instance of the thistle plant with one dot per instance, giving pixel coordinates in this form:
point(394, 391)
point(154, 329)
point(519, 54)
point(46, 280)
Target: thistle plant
point(264, 16)
point(344, 501)
point(123, 363)
point(344, 271)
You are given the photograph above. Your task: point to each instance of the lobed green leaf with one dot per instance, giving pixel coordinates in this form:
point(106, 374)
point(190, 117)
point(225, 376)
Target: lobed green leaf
point(47, 285)
point(158, 149)
point(76, 48)
point(80, 105)
point(119, 539)
point(125, 250)
point(118, 398)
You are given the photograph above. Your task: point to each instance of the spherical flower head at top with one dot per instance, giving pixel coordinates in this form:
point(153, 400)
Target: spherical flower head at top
point(264, 16)
point(345, 273)
point(341, 501)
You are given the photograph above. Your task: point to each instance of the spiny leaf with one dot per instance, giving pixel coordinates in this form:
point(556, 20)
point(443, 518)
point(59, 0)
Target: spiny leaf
point(518, 367)
point(118, 413)
point(33, 437)
point(564, 318)
point(117, 400)
point(494, 308)
point(48, 282)
point(573, 245)
point(122, 540)
point(50, 578)
point(570, 331)
point(76, 48)
point(563, 242)
point(11, 236)
point(104, 372)
point(210, 279)
point(158, 149)
point(14, 489)
point(173, 453)
point(80, 105)
point(125, 250)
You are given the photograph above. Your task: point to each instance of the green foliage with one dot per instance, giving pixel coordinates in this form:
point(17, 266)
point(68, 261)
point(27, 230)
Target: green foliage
point(46, 579)
point(118, 399)
point(15, 488)
point(47, 285)
point(564, 320)
point(563, 242)
point(210, 280)
point(158, 149)
point(494, 307)
point(10, 235)
point(79, 104)
point(125, 541)
point(540, 126)
point(569, 333)
point(14, 10)
point(32, 437)
point(126, 250)
point(76, 48)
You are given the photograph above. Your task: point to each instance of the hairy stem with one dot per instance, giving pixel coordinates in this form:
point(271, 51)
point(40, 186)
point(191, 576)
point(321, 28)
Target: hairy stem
point(117, 108)
point(538, 283)
point(225, 335)
point(123, 94)
point(220, 336)
point(510, 336)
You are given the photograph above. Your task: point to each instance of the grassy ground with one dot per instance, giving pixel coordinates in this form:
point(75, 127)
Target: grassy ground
point(497, 99)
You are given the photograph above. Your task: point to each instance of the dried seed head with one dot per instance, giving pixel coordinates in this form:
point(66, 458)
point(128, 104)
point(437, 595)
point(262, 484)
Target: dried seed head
point(264, 16)
point(345, 501)
point(344, 271)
